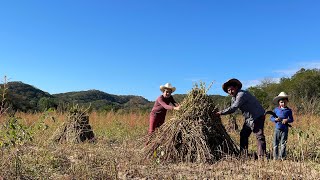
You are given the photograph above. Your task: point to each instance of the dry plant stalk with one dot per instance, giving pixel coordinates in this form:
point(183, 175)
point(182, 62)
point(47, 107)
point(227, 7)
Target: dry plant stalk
point(3, 89)
point(76, 129)
point(193, 134)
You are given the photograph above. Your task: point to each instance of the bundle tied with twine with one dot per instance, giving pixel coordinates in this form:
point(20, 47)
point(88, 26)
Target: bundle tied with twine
point(76, 128)
point(193, 134)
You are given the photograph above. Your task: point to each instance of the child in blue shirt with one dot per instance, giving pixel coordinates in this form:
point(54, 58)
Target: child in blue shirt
point(284, 114)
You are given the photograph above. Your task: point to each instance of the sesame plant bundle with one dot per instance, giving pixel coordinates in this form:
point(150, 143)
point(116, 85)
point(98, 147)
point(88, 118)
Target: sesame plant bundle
point(193, 134)
point(76, 128)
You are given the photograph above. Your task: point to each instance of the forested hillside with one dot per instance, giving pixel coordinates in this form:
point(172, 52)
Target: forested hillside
point(27, 98)
point(303, 88)
point(103, 101)
point(24, 97)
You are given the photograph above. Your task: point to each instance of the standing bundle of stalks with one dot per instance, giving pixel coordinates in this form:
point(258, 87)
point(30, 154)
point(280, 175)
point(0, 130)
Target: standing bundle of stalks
point(193, 134)
point(76, 129)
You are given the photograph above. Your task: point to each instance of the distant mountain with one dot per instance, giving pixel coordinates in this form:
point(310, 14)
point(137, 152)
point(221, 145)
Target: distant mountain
point(304, 86)
point(103, 101)
point(25, 97)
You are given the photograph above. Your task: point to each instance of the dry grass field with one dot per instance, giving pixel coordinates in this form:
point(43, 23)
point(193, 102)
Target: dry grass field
point(116, 153)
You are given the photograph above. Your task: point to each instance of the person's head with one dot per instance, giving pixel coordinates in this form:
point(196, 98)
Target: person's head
point(167, 90)
point(281, 100)
point(232, 86)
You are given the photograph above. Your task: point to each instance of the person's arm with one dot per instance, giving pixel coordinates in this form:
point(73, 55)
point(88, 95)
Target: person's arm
point(289, 119)
point(174, 102)
point(239, 100)
point(272, 118)
point(176, 105)
point(164, 105)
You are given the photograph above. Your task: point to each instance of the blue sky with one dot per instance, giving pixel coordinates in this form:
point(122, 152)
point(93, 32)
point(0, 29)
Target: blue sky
point(132, 47)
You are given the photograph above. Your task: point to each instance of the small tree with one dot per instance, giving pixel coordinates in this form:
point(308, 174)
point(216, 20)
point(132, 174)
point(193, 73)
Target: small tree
point(261, 95)
point(45, 103)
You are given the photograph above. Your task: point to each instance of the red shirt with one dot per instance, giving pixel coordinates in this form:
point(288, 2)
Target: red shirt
point(162, 105)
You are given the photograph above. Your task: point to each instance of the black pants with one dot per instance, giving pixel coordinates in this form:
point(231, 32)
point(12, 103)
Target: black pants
point(257, 129)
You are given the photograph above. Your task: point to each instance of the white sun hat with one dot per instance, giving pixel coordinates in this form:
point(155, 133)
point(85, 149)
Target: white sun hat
point(282, 95)
point(167, 86)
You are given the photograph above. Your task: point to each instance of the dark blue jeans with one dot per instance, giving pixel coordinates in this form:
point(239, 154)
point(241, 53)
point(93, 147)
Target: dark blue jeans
point(280, 143)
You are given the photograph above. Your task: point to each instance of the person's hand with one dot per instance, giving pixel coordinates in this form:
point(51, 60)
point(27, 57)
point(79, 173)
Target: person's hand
point(277, 119)
point(217, 114)
point(284, 121)
point(176, 107)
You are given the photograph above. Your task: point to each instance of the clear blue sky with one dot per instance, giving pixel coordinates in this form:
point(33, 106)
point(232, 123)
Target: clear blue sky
point(133, 46)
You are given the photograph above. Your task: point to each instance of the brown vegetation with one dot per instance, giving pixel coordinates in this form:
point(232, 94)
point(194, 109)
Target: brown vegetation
point(114, 155)
point(27, 152)
point(193, 134)
point(76, 128)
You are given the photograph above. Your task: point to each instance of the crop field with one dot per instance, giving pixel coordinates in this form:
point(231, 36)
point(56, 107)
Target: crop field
point(27, 151)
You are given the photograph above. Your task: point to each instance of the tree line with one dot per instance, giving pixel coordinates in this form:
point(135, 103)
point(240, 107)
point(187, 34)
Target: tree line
point(303, 88)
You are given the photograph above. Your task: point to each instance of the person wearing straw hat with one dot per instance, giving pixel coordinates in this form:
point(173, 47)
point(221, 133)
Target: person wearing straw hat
point(283, 117)
point(163, 103)
point(252, 111)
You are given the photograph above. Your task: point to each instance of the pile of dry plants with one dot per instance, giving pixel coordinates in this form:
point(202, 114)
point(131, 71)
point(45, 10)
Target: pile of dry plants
point(76, 128)
point(193, 134)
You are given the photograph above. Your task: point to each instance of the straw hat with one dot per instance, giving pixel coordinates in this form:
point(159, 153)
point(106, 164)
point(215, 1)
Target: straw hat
point(231, 82)
point(282, 95)
point(167, 86)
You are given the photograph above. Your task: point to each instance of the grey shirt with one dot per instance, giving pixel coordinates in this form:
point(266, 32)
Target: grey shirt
point(250, 107)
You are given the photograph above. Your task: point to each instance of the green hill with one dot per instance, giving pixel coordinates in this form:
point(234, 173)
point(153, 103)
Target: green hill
point(303, 88)
point(27, 98)
point(24, 97)
point(103, 101)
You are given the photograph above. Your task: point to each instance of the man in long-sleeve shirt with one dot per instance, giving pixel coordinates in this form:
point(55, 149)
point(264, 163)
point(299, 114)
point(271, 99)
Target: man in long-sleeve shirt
point(252, 111)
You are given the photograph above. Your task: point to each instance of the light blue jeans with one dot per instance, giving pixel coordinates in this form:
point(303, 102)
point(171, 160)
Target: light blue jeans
point(280, 143)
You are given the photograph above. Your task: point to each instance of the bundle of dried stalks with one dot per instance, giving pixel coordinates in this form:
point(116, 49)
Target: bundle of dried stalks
point(76, 128)
point(194, 134)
